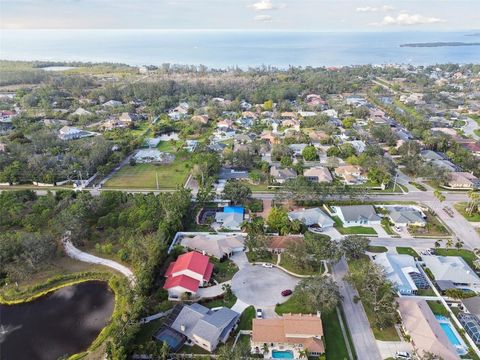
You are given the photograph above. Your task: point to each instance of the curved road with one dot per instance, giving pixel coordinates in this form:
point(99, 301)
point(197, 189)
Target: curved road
point(470, 127)
point(77, 254)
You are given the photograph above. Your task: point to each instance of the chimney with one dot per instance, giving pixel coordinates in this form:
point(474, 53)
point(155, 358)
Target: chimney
point(319, 314)
point(182, 328)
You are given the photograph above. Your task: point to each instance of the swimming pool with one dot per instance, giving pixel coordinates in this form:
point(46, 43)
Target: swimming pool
point(452, 335)
point(285, 354)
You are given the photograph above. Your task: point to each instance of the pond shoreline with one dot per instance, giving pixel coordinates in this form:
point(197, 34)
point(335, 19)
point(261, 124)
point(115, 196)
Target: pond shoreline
point(51, 285)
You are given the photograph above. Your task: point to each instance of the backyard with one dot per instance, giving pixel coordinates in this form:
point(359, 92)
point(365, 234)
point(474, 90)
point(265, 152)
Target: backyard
point(144, 176)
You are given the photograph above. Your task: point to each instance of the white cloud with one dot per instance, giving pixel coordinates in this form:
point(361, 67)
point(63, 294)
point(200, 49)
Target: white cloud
point(405, 19)
point(263, 18)
point(264, 5)
point(374, 9)
point(367, 9)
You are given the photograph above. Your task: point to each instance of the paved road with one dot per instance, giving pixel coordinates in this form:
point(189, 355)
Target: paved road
point(362, 335)
point(77, 254)
point(403, 242)
point(470, 127)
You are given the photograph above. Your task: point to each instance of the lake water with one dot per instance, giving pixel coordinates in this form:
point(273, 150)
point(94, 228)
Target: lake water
point(234, 48)
point(63, 322)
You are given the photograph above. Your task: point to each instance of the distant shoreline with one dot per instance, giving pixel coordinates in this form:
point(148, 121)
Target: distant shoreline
point(440, 44)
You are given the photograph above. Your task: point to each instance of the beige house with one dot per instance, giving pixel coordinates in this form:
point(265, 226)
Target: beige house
point(351, 174)
point(462, 180)
point(216, 245)
point(291, 332)
point(202, 119)
point(425, 331)
point(318, 174)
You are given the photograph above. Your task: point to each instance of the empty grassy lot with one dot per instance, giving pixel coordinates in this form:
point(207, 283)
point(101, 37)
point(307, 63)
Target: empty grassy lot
point(143, 176)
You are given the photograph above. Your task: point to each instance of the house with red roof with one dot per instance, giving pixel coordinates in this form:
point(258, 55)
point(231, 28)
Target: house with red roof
point(191, 271)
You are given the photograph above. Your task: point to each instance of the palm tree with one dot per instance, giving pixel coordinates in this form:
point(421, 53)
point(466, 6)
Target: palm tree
point(449, 243)
point(459, 245)
point(265, 348)
point(438, 194)
point(474, 202)
point(304, 353)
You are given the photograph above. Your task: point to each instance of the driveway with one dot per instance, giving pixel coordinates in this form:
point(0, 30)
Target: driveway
point(261, 287)
point(388, 349)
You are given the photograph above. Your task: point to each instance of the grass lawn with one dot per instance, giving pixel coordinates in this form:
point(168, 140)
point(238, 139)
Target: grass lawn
point(377, 249)
point(336, 348)
point(223, 270)
point(407, 251)
point(438, 308)
point(246, 319)
point(167, 146)
point(466, 255)
point(352, 230)
point(461, 206)
point(262, 187)
point(219, 302)
point(388, 229)
point(420, 187)
point(143, 176)
point(286, 263)
point(433, 228)
point(147, 331)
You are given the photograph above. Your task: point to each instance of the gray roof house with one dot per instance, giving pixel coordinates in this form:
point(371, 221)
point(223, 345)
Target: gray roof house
point(312, 217)
point(228, 220)
point(357, 215)
point(205, 327)
point(429, 155)
point(405, 216)
point(282, 175)
point(402, 272)
point(454, 269)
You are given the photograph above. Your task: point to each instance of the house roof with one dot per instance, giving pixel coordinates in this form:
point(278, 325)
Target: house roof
point(197, 320)
point(193, 261)
point(359, 212)
point(214, 245)
point(424, 329)
point(311, 217)
point(409, 216)
point(473, 305)
point(452, 268)
point(284, 174)
point(183, 281)
point(320, 172)
point(282, 242)
point(397, 269)
point(291, 328)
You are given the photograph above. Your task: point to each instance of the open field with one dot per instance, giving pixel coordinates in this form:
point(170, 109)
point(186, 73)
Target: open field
point(143, 176)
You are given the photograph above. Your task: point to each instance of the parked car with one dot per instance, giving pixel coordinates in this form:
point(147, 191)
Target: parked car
point(267, 265)
point(403, 355)
point(259, 314)
point(287, 292)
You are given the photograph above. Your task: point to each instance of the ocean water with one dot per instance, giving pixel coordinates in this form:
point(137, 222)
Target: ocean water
point(221, 48)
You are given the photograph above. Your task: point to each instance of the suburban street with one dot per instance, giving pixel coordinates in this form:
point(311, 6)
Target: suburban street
point(362, 335)
point(470, 127)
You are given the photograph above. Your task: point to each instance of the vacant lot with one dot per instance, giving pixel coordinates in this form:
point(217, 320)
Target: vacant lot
point(144, 176)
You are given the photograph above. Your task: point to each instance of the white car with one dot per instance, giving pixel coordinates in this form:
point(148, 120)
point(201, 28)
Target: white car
point(403, 355)
point(259, 314)
point(267, 265)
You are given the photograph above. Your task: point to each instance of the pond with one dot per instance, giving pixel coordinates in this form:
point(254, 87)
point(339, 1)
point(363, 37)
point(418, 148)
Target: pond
point(64, 322)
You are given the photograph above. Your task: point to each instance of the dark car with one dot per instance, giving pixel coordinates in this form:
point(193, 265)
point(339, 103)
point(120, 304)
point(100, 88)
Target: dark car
point(286, 292)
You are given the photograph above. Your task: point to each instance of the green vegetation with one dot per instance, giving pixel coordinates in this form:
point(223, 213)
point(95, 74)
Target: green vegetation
point(246, 318)
point(418, 186)
point(433, 227)
point(377, 249)
point(461, 207)
point(223, 270)
point(147, 331)
point(407, 251)
point(144, 176)
point(352, 230)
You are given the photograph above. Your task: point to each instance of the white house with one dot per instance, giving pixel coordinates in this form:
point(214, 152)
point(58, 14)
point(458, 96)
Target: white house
point(357, 215)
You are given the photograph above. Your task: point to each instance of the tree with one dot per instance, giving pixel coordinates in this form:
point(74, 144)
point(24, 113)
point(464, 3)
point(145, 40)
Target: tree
point(438, 194)
point(449, 243)
point(309, 153)
point(237, 192)
point(286, 161)
point(268, 105)
point(278, 221)
point(205, 194)
point(473, 203)
point(458, 244)
point(457, 294)
point(375, 292)
point(320, 293)
point(354, 246)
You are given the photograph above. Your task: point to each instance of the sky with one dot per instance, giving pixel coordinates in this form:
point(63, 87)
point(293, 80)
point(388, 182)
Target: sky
point(312, 15)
